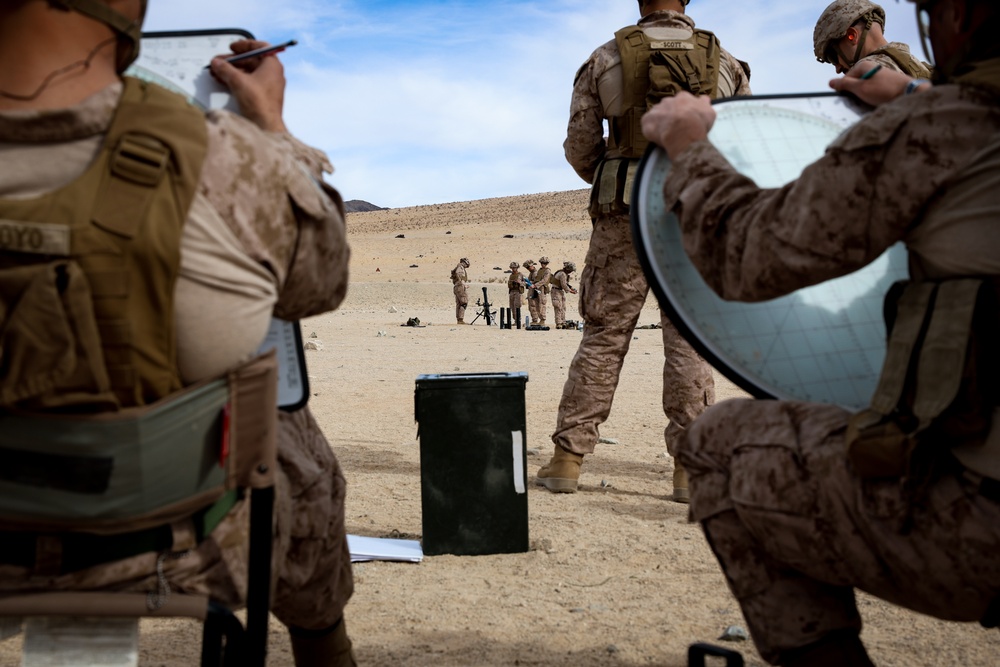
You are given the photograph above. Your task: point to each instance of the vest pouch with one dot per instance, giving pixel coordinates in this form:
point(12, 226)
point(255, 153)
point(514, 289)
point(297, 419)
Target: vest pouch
point(117, 471)
point(611, 193)
point(878, 446)
point(672, 72)
point(50, 348)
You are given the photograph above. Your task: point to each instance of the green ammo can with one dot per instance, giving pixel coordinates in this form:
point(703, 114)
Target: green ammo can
point(473, 473)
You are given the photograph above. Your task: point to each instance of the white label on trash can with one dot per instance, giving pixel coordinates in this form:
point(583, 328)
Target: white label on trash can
point(517, 437)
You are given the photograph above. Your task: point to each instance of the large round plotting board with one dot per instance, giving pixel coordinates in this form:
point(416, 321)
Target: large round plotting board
point(824, 343)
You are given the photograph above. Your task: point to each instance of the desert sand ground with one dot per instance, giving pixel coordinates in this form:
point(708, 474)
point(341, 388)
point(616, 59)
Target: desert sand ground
point(615, 575)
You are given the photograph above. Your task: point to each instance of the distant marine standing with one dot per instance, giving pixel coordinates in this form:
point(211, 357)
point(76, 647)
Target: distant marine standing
point(541, 283)
point(459, 277)
point(515, 288)
point(532, 268)
point(560, 285)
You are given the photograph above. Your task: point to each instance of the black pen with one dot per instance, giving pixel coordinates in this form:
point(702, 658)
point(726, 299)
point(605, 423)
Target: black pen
point(263, 51)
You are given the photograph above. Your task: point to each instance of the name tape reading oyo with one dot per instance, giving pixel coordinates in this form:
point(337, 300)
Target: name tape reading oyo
point(34, 237)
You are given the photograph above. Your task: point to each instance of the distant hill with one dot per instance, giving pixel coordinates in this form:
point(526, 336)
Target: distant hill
point(545, 213)
point(359, 206)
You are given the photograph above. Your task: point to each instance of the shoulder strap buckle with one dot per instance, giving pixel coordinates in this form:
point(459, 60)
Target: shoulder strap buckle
point(140, 159)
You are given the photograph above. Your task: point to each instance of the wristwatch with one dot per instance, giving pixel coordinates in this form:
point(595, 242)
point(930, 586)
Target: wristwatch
point(912, 86)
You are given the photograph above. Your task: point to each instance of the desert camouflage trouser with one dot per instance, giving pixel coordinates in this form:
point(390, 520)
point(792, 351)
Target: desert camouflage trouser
point(461, 300)
point(311, 568)
point(796, 531)
point(612, 292)
point(514, 298)
point(558, 306)
point(533, 306)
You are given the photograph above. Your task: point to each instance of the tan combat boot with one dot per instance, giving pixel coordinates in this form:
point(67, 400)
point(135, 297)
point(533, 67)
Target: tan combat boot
point(560, 475)
point(323, 648)
point(461, 321)
point(680, 494)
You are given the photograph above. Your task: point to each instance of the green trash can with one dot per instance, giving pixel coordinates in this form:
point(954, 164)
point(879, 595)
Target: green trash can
point(473, 473)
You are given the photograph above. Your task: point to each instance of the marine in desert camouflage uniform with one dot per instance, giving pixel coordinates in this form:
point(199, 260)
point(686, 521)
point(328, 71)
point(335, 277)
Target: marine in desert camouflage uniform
point(849, 31)
point(560, 285)
point(797, 519)
point(458, 279)
point(264, 236)
point(541, 284)
point(515, 288)
point(532, 297)
point(612, 286)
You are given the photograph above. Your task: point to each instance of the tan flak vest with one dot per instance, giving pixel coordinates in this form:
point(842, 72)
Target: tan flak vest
point(938, 389)
point(652, 70)
point(907, 63)
point(515, 283)
point(87, 272)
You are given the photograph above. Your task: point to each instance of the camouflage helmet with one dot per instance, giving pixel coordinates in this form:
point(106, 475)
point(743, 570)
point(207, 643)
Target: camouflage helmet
point(514, 265)
point(464, 260)
point(543, 260)
point(569, 267)
point(837, 19)
point(129, 33)
point(528, 263)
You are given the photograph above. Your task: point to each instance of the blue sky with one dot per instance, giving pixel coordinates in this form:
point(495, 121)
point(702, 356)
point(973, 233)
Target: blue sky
point(422, 102)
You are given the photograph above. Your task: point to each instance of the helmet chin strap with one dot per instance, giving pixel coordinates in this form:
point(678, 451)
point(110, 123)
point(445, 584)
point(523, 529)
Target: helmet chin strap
point(97, 10)
point(861, 40)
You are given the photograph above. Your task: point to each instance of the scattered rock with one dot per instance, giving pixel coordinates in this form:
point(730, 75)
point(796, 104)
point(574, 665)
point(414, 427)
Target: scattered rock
point(663, 455)
point(605, 484)
point(607, 441)
point(313, 345)
point(400, 236)
point(381, 334)
point(508, 236)
point(532, 451)
point(734, 633)
point(313, 335)
point(544, 544)
point(413, 266)
point(497, 268)
point(447, 232)
point(393, 309)
point(612, 649)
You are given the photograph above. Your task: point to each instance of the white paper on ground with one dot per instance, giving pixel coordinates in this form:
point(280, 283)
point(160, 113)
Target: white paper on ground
point(384, 548)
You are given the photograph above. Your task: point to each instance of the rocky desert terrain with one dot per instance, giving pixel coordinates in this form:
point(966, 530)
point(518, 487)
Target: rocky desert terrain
point(615, 575)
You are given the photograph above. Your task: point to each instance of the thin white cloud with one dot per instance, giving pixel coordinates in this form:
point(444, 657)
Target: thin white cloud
point(431, 102)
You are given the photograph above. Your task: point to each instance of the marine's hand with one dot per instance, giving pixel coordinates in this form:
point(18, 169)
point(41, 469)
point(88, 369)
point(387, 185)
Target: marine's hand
point(885, 86)
point(677, 122)
point(257, 83)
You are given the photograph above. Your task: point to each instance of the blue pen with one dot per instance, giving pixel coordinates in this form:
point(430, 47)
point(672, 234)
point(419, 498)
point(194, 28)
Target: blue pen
point(870, 73)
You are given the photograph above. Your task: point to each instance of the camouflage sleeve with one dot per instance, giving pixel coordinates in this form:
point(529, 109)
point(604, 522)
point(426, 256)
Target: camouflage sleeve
point(269, 189)
point(585, 145)
point(752, 244)
point(739, 70)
